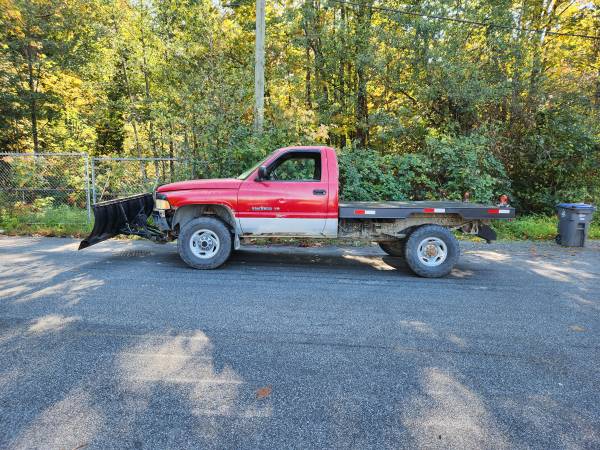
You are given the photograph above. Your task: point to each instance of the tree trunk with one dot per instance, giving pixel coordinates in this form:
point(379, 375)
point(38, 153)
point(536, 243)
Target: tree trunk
point(133, 113)
point(320, 78)
point(341, 68)
point(306, 27)
point(315, 33)
point(194, 150)
point(148, 99)
point(545, 14)
point(307, 85)
point(362, 56)
point(171, 152)
point(32, 99)
point(362, 111)
point(516, 109)
point(596, 61)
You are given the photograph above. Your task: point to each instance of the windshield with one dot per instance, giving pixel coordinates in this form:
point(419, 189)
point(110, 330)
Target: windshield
point(247, 173)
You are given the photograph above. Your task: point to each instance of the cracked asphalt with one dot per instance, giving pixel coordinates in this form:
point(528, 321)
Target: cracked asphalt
point(123, 346)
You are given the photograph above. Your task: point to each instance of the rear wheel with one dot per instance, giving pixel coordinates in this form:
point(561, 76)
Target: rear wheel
point(394, 248)
point(204, 243)
point(432, 251)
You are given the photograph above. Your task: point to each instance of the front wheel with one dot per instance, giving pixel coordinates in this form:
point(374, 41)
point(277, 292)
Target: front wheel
point(432, 251)
point(204, 243)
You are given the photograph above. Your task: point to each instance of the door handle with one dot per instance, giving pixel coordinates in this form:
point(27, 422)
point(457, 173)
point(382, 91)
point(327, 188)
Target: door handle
point(319, 192)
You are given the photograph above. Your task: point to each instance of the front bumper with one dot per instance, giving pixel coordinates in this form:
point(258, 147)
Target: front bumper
point(159, 218)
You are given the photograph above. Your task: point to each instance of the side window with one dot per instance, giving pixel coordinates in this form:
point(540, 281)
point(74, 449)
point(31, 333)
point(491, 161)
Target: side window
point(297, 166)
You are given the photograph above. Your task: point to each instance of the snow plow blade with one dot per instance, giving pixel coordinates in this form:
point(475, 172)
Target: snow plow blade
point(127, 215)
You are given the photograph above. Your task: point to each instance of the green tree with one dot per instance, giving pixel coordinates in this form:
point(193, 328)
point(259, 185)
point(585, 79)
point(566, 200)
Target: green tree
point(41, 40)
point(110, 127)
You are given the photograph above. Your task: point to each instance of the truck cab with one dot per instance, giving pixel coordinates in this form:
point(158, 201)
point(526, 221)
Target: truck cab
point(292, 193)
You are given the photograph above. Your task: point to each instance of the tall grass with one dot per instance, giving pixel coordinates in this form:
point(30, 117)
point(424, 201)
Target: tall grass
point(62, 220)
point(535, 227)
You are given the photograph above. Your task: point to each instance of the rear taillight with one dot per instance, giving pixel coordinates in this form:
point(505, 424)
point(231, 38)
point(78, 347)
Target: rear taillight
point(434, 210)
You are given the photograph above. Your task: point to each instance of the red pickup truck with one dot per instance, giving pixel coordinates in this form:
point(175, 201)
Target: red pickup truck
point(292, 193)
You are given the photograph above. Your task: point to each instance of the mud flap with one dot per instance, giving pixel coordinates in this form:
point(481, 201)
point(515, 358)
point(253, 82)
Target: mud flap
point(123, 216)
point(487, 233)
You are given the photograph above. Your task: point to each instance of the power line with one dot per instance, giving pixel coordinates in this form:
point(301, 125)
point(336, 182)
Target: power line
point(466, 21)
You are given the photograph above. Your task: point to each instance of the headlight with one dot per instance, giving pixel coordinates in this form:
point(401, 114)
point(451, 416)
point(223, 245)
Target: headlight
point(161, 204)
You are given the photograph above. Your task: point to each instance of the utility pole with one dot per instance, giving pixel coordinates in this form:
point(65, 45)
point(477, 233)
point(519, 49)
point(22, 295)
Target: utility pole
point(259, 67)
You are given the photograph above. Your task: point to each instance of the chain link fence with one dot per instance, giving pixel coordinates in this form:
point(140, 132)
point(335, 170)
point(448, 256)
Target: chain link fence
point(54, 189)
point(44, 189)
point(119, 177)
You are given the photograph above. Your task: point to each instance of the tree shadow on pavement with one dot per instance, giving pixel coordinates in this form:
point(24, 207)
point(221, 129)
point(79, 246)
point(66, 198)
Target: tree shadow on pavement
point(305, 364)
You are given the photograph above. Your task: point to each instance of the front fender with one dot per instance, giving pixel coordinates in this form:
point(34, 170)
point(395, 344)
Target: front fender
point(189, 212)
point(192, 203)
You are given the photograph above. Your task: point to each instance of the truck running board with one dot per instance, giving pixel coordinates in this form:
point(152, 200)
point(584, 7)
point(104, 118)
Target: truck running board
point(127, 215)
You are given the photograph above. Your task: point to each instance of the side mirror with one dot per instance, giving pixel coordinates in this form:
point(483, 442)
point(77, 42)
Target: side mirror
point(262, 173)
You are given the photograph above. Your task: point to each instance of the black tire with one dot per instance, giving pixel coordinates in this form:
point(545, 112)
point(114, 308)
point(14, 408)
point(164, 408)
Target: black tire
point(441, 238)
point(208, 261)
point(394, 248)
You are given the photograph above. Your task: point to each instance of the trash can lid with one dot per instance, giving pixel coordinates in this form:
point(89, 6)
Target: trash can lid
point(578, 206)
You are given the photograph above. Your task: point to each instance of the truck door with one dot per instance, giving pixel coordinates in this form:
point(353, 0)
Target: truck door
point(291, 200)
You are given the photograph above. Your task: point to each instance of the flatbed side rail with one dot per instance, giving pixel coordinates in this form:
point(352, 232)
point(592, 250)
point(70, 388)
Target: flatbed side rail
point(391, 210)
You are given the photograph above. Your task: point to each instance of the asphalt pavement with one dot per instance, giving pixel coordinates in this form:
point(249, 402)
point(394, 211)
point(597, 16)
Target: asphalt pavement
point(123, 346)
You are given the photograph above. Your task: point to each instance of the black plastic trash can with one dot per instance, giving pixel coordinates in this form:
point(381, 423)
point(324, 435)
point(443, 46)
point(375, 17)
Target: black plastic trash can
point(573, 223)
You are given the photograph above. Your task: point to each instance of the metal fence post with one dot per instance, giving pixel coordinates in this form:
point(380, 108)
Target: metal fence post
point(93, 181)
point(87, 187)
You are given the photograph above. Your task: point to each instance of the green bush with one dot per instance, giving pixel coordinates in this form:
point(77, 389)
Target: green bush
point(466, 164)
point(367, 175)
point(449, 167)
point(558, 160)
point(42, 204)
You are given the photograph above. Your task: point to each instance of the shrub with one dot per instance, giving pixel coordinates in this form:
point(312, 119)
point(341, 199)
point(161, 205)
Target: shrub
point(368, 175)
point(448, 167)
point(42, 204)
point(466, 164)
point(557, 161)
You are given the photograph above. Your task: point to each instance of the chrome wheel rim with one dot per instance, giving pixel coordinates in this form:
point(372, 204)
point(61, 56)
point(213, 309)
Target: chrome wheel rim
point(432, 251)
point(204, 244)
